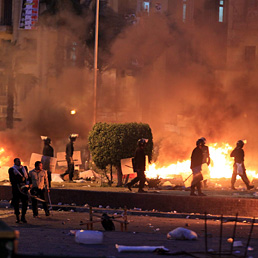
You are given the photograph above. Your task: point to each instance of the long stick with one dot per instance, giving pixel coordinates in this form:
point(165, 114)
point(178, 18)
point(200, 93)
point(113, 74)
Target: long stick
point(205, 227)
point(187, 178)
point(249, 237)
point(50, 204)
point(220, 240)
point(234, 234)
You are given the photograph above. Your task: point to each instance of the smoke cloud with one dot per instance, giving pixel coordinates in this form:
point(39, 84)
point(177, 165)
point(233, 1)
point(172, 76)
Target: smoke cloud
point(170, 75)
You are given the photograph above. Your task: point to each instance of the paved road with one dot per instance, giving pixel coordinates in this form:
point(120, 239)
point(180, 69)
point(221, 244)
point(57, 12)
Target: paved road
point(51, 235)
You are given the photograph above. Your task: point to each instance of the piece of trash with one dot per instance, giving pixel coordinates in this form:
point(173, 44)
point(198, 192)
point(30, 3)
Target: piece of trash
point(237, 252)
point(249, 248)
point(73, 232)
point(88, 237)
point(182, 234)
point(137, 209)
point(210, 250)
point(230, 240)
point(124, 248)
point(108, 207)
point(157, 229)
point(237, 243)
point(73, 204)
point(187, 217)
point(86, 205)
point(68, 219)
point(100, 206)
point(59, 203)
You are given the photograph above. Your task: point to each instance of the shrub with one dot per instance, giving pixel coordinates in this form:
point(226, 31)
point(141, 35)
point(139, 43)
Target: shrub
point(109, 143)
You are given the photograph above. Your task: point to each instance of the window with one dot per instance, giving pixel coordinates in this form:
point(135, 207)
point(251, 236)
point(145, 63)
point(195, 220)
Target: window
point(184, 10)
point(146, 7)
point(221, 10)
point(6, 12)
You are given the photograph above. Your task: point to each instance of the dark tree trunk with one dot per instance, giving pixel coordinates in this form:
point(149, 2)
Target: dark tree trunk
point(119, 175)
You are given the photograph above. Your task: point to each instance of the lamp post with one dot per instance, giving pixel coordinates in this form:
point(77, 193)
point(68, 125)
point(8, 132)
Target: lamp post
point(96, 64)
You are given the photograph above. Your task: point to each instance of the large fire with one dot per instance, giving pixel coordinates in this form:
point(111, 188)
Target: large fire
point(221, 165)
point(3, 158)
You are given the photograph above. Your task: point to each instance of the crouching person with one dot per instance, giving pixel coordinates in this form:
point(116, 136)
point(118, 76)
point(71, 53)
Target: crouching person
point(39, 184)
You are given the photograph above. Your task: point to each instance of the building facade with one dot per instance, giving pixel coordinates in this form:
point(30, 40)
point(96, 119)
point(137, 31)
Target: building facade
point(224, 23)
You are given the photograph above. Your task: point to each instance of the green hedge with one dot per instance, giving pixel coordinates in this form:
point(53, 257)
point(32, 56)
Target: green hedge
point(109, 143)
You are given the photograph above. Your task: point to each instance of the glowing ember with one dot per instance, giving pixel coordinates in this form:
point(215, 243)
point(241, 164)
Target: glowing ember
point(73, 112)
point(221, 165)
point(3, 160)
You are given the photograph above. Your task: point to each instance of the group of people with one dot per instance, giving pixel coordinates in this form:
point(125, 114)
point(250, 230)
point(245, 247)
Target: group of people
point(37, 182)
point(200, 160)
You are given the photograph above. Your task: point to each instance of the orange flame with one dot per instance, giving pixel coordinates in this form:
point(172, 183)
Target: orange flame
point(3, 160)
point(221, 165)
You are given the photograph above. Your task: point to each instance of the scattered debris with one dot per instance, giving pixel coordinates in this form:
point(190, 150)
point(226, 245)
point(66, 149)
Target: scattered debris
point(88, 237)
point(182, 234)
point(230, 240)
point(237, 243)
point(107, 223)
point(150, 249)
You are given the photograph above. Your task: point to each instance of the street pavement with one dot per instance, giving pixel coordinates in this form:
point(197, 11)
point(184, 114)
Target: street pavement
point(52, 235)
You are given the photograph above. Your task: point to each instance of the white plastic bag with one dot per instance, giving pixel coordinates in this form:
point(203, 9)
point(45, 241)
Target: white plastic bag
point(88, 237)
point(240, 170)
point(182, 234)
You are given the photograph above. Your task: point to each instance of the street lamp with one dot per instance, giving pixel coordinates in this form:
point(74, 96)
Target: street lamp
point(96, 64)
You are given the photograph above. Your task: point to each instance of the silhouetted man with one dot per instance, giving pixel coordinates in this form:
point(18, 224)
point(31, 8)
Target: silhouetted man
point(18, 175)
point(139, 166)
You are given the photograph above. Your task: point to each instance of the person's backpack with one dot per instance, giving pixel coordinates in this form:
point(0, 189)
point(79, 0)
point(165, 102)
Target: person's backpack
point(107, 223)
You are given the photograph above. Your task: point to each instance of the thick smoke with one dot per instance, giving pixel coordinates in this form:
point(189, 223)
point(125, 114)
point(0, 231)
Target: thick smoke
point(170, 75)
point(181, 86)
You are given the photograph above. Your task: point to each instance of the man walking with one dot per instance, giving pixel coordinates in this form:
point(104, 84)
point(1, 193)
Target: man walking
point(239, 167)
point(48, 152)
point(139, 166)
point(196, 166)
point(69, 157)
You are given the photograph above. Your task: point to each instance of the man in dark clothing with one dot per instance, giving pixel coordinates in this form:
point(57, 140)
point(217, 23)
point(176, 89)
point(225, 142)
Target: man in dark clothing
point(196, 166)
point(239, 166)
point(48, 152)
point(139, 166)
point(69, 157)
point(19, 177)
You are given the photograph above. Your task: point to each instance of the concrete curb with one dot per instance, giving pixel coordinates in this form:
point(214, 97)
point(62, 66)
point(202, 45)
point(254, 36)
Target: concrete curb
point(169, 204)
point(6, 205)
